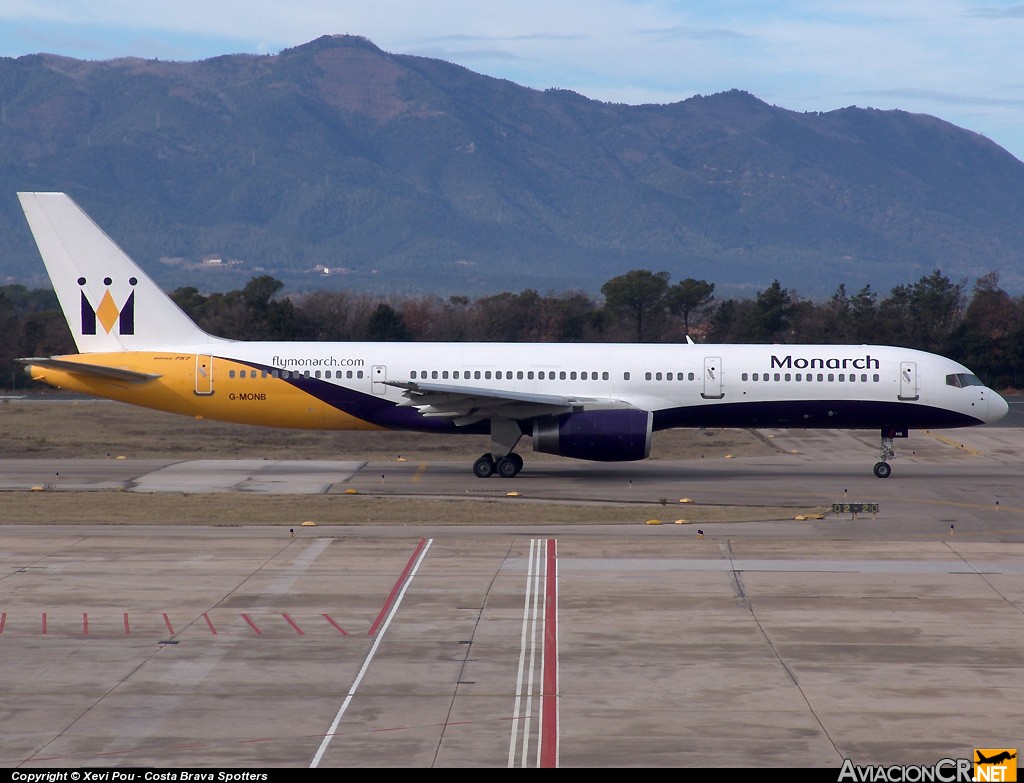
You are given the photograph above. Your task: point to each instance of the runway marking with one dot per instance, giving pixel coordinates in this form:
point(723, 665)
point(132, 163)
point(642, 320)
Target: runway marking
point(251, 624)
point(341, 630)
point(394, 601)
point(127, 629)
point(167, 622)
point(3, 621)
point(541, 582)
point(44, 623)
point(209, 623)
point(85, 623)
point(549, 699)
point(290, 622)
point(399, 585)
point(419, 473)
point(955, 444)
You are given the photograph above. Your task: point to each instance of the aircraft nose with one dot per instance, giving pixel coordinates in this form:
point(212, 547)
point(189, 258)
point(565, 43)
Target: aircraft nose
point(997, 407)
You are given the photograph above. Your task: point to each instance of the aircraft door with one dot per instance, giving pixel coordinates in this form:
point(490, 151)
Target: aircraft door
point(908, 381)
point(204, 374)
point(379, 374)
point(712, 378)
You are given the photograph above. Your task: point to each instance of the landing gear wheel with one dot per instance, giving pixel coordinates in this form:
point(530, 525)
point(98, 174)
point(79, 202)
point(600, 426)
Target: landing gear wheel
point(484, 467)
point(519, 462)
point(509, 465)
point(882, 469)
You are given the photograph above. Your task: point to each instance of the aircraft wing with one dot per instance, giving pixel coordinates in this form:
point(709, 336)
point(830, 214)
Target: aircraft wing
point(468, 405)
point(96, 370)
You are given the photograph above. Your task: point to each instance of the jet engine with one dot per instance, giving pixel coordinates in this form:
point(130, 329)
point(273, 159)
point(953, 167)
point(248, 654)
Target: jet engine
point(602, 436)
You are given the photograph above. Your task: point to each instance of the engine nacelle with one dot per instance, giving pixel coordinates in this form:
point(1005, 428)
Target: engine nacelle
point(603, 436)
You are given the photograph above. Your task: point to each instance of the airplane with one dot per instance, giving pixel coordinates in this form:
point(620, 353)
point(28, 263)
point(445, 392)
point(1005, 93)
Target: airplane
point(996, 759)
point(598, 402)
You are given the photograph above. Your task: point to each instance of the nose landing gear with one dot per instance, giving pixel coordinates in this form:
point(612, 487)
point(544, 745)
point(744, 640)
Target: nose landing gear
point(882, 468)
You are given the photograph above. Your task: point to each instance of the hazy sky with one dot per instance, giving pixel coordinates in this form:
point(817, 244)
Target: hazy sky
point(959, 60)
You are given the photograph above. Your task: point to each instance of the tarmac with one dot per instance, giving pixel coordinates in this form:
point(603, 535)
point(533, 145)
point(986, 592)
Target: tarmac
point(888, 637)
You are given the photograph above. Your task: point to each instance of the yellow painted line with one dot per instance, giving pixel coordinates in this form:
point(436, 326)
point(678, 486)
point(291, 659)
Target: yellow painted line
point(953, 443)
point(419, 473)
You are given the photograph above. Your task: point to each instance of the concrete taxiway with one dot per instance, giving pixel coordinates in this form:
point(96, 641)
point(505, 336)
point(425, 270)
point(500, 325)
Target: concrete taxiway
point(887, 639)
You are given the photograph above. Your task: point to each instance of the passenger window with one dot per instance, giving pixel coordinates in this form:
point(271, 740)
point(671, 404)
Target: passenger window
point(561, 375)
point(317, 373)
point(743, 376)
point(842, 377)
point(530, 375)
point(647, 376)
point(625, 376)
point(487, 375)
point(572, 375)
point(604, 375)
point(413, 375)
point(657, 376)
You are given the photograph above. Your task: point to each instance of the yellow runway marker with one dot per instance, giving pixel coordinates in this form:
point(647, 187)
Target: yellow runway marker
point(419, 473)
point(954, 444)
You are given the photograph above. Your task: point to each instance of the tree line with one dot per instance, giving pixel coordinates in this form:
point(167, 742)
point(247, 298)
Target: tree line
point(981, 326)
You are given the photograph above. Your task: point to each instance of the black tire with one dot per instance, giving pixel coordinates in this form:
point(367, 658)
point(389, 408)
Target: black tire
point(519, 462)
point(509, 466)
point(484, 467)
point(883, 469)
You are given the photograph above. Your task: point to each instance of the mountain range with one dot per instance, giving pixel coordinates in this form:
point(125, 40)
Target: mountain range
point(335, 164)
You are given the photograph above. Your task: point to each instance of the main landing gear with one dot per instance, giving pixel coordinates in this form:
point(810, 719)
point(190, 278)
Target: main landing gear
point(501, 460)
point(882, 468)
point(506, 467)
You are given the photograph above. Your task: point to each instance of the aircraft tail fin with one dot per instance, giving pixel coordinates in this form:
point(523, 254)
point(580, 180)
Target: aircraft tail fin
point(108, 301)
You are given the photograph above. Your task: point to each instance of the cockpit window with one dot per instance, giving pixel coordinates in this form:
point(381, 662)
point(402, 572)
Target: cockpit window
point(962, 379)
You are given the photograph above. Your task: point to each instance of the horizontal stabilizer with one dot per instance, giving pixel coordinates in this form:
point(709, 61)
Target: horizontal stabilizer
point(96, 370)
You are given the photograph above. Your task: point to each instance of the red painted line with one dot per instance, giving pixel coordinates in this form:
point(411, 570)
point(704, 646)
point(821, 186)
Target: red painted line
point(167, 622)
point(398, 586)
point(85, 623)
point(44, 622)
point(209, 623)
point(298, 630)
point(327, 617)
point(3, 621)
point(549, 695)
point(251, 624)
point(127, 629)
